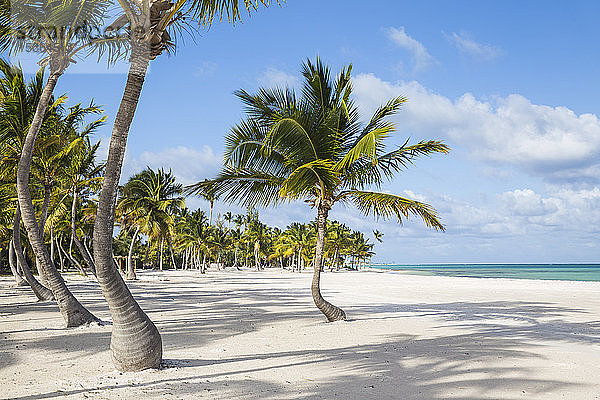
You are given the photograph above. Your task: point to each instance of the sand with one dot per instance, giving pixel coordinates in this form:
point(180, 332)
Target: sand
point(257, 335)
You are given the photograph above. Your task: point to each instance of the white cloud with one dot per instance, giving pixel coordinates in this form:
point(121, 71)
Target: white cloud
point(466, 45)
point(275, 77)
point(552, 142)
point(206, 68)
point(528, 203)
point(188, 165)
point(419, 53)
point(563, 209)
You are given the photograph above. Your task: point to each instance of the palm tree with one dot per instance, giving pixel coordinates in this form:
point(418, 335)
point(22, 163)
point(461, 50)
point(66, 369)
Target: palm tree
point(148, 203)
point(74, 165)
point(338, 240)
point(208, 193)
point(149, 23)
point(378, 236)
point(16, 111)
point(314, 148)
point(228, 217)
point(53, 155)
point(258, 234)
point(60, 31)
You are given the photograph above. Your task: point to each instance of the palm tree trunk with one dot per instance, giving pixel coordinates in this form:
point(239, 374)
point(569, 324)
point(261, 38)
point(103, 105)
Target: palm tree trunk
point(162, 242)
point(130, 275)
point(42, 224)
point(45, 205)
point(156, 261)
point(147, 253)
point(86, 257)
point(172, 253)
point(13, 268)
point(71, 259)
point(73, 312)
point(135, 341)
point(40, 291)
point(256, 255)
point(52, 252)
point(60, 254)
point(332, 312)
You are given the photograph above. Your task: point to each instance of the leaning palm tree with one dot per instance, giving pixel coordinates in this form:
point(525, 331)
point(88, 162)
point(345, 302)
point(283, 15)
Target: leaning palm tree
point(313, 147)
point(17, 108)
point(136, 343)
point(61, 31)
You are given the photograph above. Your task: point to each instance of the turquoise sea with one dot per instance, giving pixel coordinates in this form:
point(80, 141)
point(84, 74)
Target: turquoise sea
point(565, 272)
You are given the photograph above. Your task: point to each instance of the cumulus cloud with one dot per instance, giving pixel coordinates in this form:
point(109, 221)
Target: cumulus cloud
point(275, 77)
point(552, 142)
point(188, 165)
point(466, 45)
point(528, 203)
point(564, 209)
point(421, 57)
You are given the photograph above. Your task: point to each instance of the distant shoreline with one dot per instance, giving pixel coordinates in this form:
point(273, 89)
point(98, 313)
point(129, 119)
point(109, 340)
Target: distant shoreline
point(584, 272)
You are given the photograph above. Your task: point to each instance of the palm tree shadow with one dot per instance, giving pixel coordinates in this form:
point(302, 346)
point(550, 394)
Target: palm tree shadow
point(399, 367)
point(509, 319)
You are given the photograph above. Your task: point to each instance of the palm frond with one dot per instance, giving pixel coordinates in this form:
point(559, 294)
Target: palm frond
point(247, 187)
point(389, 206)
point(364, 172)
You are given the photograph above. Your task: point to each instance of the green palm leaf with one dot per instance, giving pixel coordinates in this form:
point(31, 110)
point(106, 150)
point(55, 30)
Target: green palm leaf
point(390, 205)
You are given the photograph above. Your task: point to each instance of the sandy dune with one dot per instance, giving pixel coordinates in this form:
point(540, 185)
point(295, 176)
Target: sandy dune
point(256, 335)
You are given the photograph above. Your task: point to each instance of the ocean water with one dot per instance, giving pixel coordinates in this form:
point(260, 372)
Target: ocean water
point(565, 272)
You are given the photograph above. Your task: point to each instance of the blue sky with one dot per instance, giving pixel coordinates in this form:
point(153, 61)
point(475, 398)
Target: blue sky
point(511, 86)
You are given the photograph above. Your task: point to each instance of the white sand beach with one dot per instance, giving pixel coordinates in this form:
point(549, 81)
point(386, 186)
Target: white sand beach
point(257, 335)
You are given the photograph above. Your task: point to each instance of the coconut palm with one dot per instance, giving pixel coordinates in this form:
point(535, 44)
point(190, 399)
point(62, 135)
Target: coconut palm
point(61, 31)
point(65, 160)
point(17, 106)
point(149, 201)
point(48, 162)
point(313, 147)
point(136, 343)
point(338, 239)
point(258, 234)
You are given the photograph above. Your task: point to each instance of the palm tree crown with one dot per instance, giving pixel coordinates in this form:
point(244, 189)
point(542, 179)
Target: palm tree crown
point(314, 148)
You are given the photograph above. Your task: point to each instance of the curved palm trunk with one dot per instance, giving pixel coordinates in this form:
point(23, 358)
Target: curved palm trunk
point(71, 259)
point(332, 312)
point(73, 312)
point(13, 268)
point(172, 253)
point(82, 250)
point(40, 291)
point(42, 225)
point(160, 260)
point(45, 206)
point(135, 341)
point(130, 275)
point(256, 255)
point(60, 255)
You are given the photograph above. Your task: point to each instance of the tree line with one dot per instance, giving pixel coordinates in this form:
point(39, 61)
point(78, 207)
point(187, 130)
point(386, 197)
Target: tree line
point(152, 204)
